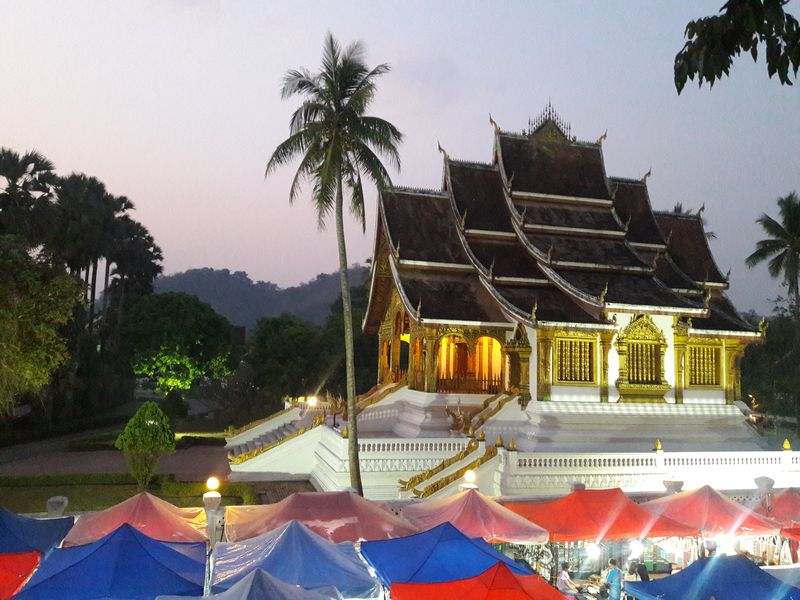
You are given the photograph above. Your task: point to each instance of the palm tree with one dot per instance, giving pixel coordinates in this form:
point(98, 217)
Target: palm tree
point(782, 247)
point(338, 144)
point(26, 185)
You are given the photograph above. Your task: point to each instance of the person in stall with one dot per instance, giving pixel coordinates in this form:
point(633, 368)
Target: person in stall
point(632, 574)
point(564, 582)
point(614, 580)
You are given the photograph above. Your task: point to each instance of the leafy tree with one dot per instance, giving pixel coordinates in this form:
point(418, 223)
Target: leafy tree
point(286, 357)
point(741, 26)
point(782, 247)
point(145, 438)
point(337, 143)
point(36, 300)
point(176, 339)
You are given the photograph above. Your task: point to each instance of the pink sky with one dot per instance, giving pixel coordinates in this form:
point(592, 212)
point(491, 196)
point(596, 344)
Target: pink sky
point(176, 104)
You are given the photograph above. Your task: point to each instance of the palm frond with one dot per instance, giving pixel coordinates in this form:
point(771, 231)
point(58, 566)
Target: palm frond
point(772, 227)
point(369, 164)
point(287, 150)
point(299, 81)
point(380, 135)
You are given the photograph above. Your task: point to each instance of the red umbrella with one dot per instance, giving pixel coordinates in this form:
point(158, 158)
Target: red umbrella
point(15, 569)
point(782, 505)
point(496, 583)
point(598, 515)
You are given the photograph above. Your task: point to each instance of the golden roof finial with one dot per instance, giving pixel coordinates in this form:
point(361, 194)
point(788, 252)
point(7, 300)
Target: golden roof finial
point(442, 150)
point(471, 432)
point(647, 175)
point(499, 441)
point(494, 124)
point(658, 447)
point(550, 254)
point(603, 294)
point(787, 445)
point(419, 308)
point(397, 250)
point(762, 326)
point(656, 256)
point(534, 309)
point(510, 184)
point(512, 445)
point(707, 299)
point(481, 435)
point(464, 219)
point(602, 138)
point(628, 223)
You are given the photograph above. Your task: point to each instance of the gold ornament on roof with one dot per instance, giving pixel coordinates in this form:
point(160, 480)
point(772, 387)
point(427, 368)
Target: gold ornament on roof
point(512, 445)
point(602, 138)
point(658, 447)
point(442, 150)
point(499, 441)
point(464, 219)
point(787, 445)
point(534, 309)
point(481, 436)
point(762, 326)
point(603, 294)
point(419, 308)
point(510, 184)
point(628, 223)
point(494, 124)
point(646, 175)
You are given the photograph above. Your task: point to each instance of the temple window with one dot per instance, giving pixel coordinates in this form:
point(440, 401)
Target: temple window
point(575, 360)
point(704, 365)
point(462, 367)
point(644, 362)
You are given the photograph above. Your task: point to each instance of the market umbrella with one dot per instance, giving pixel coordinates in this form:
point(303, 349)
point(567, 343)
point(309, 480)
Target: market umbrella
point(781, 505)
point(15, 569)
point(22, 534)
point(259, 585)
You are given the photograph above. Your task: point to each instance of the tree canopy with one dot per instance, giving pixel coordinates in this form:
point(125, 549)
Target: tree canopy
point(177, 339)
point(741, 26)
point(145, 438)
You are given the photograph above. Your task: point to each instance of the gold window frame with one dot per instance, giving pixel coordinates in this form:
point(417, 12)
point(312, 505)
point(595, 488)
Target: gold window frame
point(693, 346)
point(565, 337)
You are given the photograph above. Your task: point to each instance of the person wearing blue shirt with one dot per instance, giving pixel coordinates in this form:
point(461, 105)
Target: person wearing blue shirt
point(614, 580)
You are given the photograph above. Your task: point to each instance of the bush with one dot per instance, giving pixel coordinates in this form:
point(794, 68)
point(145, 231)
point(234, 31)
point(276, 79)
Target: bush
point(146, 437)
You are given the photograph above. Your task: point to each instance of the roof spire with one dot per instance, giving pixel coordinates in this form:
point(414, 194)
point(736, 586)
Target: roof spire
point(534, 309)
point(464, 219)
point(549, 114)
point(419, 307)
point(602, 138)
point(494, 124)
point(510, 184)
point(701, 209)
point(443, 151)
point(603, 294)
point(646, 175)
point(628, 222)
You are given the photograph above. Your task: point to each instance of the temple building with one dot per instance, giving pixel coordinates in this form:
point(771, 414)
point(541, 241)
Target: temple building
point(540, 274)
point(538, 325)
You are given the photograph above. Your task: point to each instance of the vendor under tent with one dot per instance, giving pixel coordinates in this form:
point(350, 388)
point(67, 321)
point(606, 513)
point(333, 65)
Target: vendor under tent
point(475, 515)
point(712, 513)
point(21, 534)
point(336, 516)
point(495, 583)
point(439, 554)
point(259, 585)
point(124, 565)
point(595, 515)
point(15, 569)
point(781, 505)
point(296, 555)
point(721, 577)
point(156, 518)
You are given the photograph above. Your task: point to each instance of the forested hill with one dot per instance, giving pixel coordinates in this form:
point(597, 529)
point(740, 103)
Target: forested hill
point(243, 301)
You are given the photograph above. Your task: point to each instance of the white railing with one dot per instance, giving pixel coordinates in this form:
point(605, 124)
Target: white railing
point(411, 446)
point(532, 472)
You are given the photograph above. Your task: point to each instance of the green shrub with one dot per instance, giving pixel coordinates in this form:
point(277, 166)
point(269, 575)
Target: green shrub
point(68, 479)
point(146, 437)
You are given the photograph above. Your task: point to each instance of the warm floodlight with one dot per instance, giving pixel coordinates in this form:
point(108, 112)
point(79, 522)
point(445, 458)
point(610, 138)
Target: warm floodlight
point(593, 551)
point(212, 484)
point(469, 476)
point(311, 401)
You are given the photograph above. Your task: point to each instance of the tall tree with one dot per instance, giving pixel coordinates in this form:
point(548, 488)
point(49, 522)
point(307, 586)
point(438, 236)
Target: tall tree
point(740, 26)
point(338, 144)
point(26, 192)
point(782, 247)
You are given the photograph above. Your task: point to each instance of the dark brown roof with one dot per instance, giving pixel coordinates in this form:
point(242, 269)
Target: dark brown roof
point(631, 201)
point(551, 303)
point(510, 258)
point(424, 226)
point(723, 317)
point(450, 296)
point(625, 288)
point(581, 249)
point(560, 168)
point(688, 246)
point(561, 215)
point(478, 190)
point(668, 272)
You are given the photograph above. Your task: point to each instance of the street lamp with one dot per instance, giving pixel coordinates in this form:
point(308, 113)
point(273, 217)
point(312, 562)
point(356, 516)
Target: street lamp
point(211, 503)
point(469, 480)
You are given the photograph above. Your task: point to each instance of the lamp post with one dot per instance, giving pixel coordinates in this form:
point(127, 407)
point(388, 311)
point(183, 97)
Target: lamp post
point(469, 480)
point(211, 504)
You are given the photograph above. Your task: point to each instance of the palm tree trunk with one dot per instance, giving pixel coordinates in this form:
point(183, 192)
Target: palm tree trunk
point(105, 284)
point(93, 293)
point(347, 313)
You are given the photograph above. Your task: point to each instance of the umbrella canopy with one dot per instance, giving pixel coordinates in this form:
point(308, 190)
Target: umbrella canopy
point(712, 513)
point(15, 569)
point(722, 577)
point(259, 585)
point(21, 534)
point(156, 518)
point(475, 515)
point(783, 506)
point(495, 583)
point(439, 554)
point(296, 555)
point(789, 574)
point(598, 515)
point(792, 533)
point(336, 516)
point(124, 565)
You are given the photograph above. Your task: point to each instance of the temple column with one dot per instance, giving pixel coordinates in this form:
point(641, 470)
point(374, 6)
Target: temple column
point(544, 372)
point(680, 338)
point(605, 348)
point(430, 363)
point(524, 373)
point(382, 364)
point(731, 355)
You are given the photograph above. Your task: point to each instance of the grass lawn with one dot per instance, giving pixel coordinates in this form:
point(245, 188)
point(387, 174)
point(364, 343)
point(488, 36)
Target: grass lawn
point(87, 493)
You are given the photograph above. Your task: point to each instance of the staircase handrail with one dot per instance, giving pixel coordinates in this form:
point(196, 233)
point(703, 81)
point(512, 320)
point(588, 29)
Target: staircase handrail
point(250, 454)
point(415, 480)
point(489, 454)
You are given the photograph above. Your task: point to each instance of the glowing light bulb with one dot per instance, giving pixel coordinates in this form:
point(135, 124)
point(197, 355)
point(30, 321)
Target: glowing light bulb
point(593, 551)
point(469, 476)
point(637, 547)
point(311, 401)
point(212, 484)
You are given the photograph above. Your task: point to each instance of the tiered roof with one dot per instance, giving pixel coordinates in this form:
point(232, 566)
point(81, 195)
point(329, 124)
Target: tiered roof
point(542, 235)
